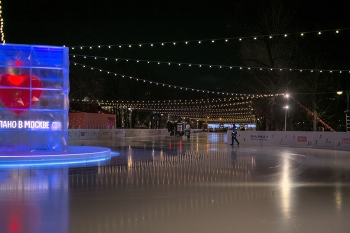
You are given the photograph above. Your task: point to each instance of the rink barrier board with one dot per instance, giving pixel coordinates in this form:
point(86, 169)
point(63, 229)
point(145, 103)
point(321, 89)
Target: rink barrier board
point(81, 134)
point(302, 139)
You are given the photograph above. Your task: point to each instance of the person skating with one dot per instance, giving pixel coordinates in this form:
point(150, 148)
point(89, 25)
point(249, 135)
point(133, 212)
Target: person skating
point(234, 134)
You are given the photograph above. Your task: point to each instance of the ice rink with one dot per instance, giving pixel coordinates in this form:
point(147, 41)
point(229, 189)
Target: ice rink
point(165, 184)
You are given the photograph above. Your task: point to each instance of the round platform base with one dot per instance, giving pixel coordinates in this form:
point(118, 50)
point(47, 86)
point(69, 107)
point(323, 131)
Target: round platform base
point(78, 155)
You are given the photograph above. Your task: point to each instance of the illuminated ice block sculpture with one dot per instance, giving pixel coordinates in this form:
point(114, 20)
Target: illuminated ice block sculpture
point(34, 88)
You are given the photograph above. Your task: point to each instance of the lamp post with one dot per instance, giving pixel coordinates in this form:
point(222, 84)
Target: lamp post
point(285, 113)
point(347, 112)
point(285, 117)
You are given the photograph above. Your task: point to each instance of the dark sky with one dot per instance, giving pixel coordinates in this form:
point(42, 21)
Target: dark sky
point(72, 22)
point(98, 22)
point(79, 23)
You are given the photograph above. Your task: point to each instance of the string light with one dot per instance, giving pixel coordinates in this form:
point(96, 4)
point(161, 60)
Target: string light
point(207, 109)
point(208, 65)
point(2, 25)
point(186, 42)
point(174, 86)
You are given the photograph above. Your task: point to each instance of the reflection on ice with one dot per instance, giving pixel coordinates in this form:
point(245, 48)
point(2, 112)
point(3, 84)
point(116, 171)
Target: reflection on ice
point(286, 186)
point(34, 201)
point(195, 185)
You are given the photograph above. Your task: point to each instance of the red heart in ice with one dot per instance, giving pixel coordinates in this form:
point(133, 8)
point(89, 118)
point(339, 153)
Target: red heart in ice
point(15, 92)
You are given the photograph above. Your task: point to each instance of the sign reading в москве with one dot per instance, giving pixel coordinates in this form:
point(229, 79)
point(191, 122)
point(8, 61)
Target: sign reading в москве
point(34, 88)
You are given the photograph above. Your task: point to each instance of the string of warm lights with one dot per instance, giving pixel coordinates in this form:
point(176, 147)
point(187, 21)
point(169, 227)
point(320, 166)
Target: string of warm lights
point(211, 111)
point(209, 65)
point(173, 86)
point(187, 109)
point(184, 106)
point(202, 106)
point(204, 115)
point(244, 100)
point(198, 110)
point(221, 109)
point(186, 42)
point(2, 25)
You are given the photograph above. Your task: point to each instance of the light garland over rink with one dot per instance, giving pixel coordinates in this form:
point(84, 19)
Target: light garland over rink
point(228, 39)
point(209, 65)
point(175, 86)
point(214, 104)
point(220, 101)
point(229, 110)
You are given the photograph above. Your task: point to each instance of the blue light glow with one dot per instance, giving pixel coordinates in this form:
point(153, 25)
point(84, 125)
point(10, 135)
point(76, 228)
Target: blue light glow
point(77, 156)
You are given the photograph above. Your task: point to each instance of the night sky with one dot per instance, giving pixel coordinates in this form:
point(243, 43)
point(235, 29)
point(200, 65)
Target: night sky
point(92, 23)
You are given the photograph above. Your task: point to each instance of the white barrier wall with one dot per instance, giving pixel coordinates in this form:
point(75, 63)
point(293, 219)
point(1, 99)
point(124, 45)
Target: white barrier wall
point(322, 140)
point(79, 134)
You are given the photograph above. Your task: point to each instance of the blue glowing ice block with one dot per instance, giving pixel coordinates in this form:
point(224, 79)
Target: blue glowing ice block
point(34, 104)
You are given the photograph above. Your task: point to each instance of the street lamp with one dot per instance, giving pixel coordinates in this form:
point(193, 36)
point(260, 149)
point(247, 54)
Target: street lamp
point(285, 117)
point(347, 115)
point(285, 113)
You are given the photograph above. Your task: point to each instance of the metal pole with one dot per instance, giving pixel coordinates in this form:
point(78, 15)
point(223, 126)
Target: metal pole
point(347, 101)
point(347, 111)
point(285, 120)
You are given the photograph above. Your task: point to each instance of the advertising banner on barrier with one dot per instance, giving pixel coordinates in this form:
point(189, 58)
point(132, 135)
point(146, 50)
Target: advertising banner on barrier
point(280, 138)
point(73, 134)
point(251, 137)
point(303, 139)
point(104, 133)
point(93, 134)
point(118, 133)
point(342, 141)
point(322, 140)
point(83, 134)
point(130, 132)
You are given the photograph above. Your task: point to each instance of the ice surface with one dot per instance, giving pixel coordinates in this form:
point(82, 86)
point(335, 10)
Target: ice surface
point(202, 184)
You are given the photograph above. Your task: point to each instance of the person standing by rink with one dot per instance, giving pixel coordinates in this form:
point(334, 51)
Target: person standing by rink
point(234, 135)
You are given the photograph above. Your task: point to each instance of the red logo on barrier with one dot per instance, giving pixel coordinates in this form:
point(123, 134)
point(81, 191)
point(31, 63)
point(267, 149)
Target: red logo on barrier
point(82, 133)
point(15, 96)
point(345, 140)
point(302, 139)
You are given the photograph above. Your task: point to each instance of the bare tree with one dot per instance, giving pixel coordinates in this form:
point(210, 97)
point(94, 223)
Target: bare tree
point(85, 83)
point(265, 53)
